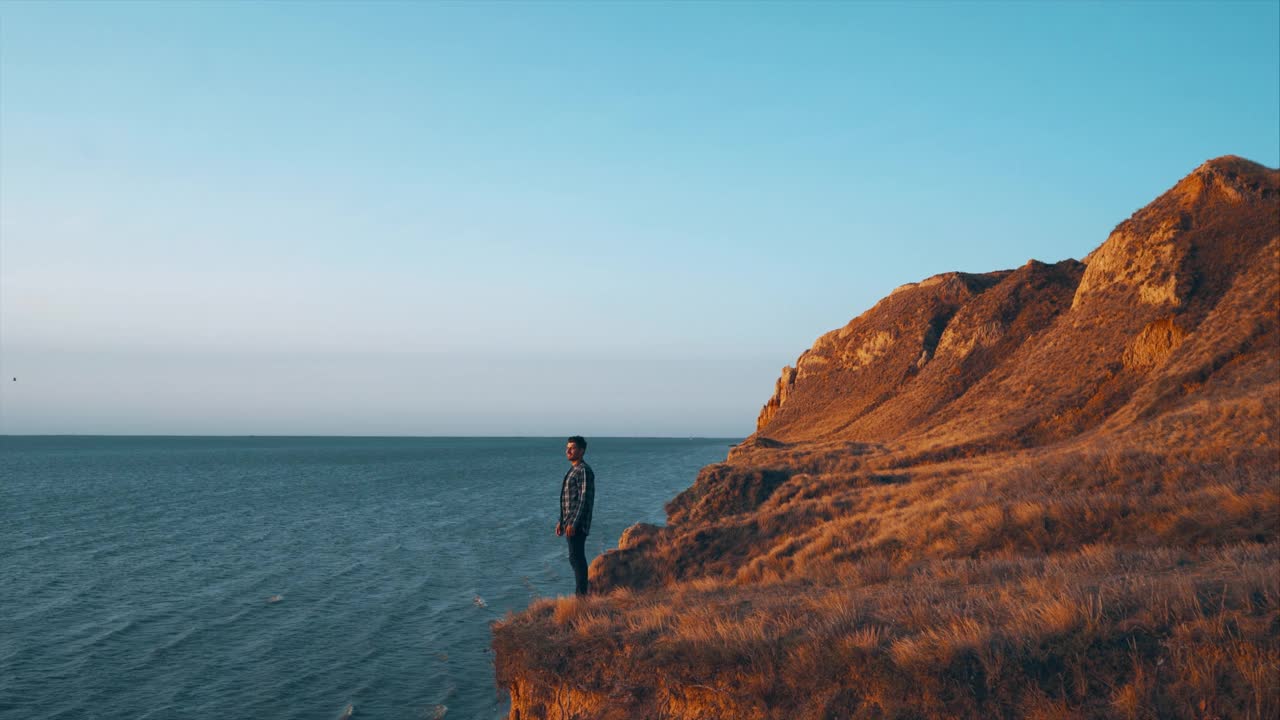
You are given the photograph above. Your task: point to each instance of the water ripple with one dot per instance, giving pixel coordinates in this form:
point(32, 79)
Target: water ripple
point(141, 575)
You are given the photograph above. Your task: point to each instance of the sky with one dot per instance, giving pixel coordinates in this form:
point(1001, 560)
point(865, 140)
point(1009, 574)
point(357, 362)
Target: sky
point(552, 218)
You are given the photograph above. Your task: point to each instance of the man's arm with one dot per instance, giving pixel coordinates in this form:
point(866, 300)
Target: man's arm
point(589, 492)
point(564, 487)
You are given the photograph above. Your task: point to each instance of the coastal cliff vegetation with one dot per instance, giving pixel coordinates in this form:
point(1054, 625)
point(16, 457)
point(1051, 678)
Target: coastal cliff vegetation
point(1047, 492)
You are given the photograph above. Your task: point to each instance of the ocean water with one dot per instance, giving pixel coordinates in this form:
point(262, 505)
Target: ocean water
point(156, 577)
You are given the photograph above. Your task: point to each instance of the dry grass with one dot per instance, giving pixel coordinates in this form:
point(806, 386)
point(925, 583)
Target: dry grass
point(1102, 632)
point(1072, 582)
point(1030, 502)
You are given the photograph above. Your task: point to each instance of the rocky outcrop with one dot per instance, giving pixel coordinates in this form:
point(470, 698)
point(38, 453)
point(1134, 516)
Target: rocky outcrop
point(724, 490)
point(1003, 340)
point(892, 368)
point(977, 435)
point(869, 359)
point(1156, 341)
point(1181, 252)
point(781, 390)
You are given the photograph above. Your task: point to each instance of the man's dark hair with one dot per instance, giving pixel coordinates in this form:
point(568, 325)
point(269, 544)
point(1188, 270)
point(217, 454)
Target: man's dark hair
point(579, 441)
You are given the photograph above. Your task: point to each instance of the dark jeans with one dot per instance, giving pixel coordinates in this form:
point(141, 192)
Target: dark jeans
point(578, 560)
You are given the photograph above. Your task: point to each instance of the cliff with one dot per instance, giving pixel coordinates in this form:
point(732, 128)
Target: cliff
point(1052, 491)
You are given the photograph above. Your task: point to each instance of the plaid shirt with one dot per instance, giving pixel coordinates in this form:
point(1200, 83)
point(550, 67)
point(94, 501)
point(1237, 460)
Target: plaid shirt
point(577, 494)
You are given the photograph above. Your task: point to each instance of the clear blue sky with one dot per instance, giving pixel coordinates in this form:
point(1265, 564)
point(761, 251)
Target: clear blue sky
point(543, 219)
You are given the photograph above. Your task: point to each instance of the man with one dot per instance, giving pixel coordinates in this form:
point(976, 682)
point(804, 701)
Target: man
point(577, 494)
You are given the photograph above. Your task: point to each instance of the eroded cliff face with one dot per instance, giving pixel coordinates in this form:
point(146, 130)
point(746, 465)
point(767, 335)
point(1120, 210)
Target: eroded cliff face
point(1034, 434)
point(1043, 352)
point(891, 369)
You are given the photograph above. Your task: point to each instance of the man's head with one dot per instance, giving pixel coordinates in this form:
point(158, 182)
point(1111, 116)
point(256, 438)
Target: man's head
point(574, 448)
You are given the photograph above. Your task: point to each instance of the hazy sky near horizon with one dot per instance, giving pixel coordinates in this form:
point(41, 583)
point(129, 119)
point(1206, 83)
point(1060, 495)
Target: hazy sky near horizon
point(552, 218)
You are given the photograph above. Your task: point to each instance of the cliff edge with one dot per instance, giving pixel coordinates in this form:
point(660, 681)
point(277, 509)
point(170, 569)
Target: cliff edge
point(1052, 491)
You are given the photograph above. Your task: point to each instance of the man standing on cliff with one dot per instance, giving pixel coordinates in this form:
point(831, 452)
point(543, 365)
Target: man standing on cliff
point(577, 494)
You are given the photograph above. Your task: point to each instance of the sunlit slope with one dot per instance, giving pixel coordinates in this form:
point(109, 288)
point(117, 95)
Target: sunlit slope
point(1052, 491)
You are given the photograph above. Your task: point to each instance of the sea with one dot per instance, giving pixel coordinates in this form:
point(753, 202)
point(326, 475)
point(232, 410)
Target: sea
point(290, 577)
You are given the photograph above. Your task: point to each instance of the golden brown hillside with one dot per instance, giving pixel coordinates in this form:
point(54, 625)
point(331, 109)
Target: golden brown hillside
point(1048, 492)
